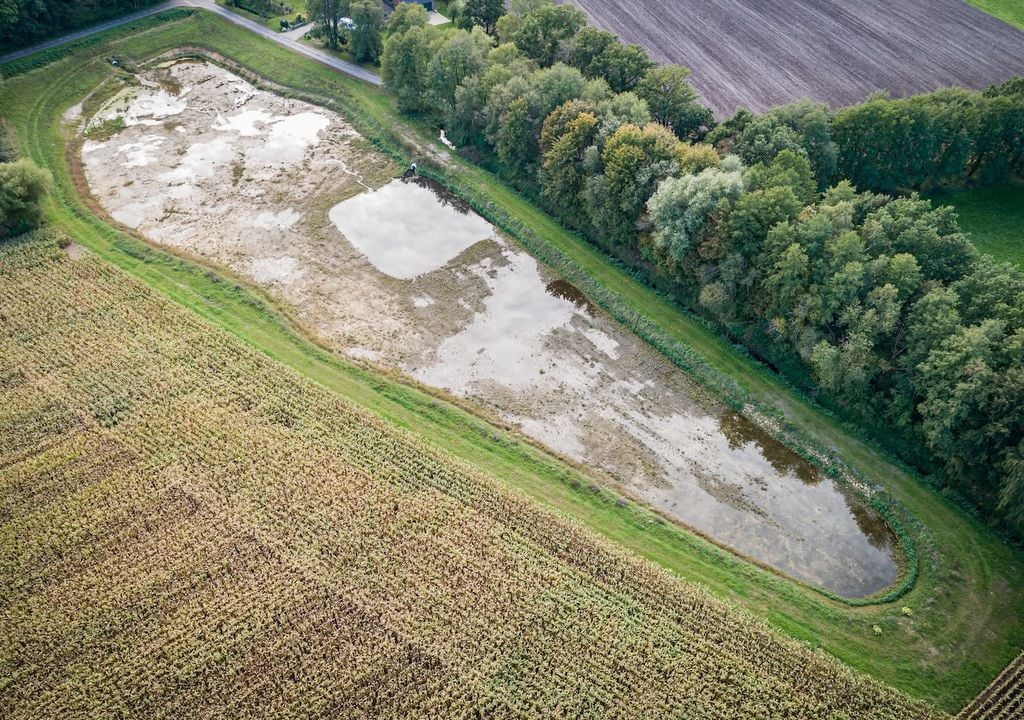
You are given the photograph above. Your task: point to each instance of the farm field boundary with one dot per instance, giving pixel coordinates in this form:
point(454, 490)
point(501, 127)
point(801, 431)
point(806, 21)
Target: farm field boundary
point(968, 593)
point(1002, 699)
point(1010, 11)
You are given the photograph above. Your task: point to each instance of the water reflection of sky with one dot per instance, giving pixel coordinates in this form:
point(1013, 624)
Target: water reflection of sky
point(740, 431)
point(407, 229)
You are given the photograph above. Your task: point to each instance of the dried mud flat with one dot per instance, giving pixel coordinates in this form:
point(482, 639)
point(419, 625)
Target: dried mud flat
point(400, 273)
point(770, 52)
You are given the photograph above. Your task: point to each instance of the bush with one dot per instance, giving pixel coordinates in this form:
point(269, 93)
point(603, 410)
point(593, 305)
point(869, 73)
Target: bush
point(23, 187)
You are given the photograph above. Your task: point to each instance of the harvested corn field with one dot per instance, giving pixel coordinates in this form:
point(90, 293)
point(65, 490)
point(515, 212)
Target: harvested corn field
point(771, 52)
point(1003, 699)
point(188, 527)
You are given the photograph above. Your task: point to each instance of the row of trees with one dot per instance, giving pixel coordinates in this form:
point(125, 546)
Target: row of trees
point(883, 299)
point(948, 139)
point(263, 8)
point(23, 22)
point(880, 301)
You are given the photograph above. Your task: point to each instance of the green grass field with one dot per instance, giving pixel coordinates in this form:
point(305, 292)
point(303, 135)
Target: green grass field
point(994, 216)
point(967, 606)
point(1011, 11)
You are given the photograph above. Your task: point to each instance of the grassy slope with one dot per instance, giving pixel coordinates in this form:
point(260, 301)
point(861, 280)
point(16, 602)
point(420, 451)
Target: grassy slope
point(968, 604)
point(1011, 11)
point(995, 218)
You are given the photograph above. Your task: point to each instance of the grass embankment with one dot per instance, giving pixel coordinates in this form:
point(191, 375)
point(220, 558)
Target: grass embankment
point(1010, 11)
point(994, 216)
point(968, 603)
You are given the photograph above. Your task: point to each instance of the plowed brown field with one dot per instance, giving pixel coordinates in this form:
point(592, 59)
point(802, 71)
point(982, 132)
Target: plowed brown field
point(768, 52)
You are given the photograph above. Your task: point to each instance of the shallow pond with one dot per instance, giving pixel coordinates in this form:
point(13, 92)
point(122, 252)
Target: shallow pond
point(408, 277)
point(406, 230)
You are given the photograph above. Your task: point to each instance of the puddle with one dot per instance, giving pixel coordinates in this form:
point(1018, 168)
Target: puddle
point(289, 139)
point(741, 433)
point(201, 161)
point(244, 123)
point(766, 496)
point(141, 153)
point(406, 229)
point(140, 106)
point(581, 385)
point(408, 277)
point(567, 291)
point(444, 196)
point(505, 344)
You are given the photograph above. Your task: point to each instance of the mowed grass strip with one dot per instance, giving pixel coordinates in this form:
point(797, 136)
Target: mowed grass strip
point(206, 532)
point(968, 604)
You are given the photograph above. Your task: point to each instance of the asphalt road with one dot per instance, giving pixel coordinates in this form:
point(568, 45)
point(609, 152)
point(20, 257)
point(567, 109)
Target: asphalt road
point(319, 55)
point(759, 53)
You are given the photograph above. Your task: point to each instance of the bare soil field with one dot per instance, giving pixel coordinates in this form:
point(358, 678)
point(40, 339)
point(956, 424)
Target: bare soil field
point(770, 52)
point(399, 273)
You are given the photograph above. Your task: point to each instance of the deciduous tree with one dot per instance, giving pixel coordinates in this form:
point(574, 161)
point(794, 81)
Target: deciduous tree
point(542, 33)
point(327, 14)
point(23, 187)
point(673, 101)
point(407, 15)
point(484, 13)
point(367, 38)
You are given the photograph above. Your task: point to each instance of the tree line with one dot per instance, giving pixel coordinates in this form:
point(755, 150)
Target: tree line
point(23, 22)
point(263, 8)
point(799, 231)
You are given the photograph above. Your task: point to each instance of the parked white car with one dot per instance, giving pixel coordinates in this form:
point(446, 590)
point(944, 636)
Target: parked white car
point(347, 23)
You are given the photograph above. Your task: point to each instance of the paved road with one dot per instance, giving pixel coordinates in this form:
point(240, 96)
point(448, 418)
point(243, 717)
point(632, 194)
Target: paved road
point(291, 43)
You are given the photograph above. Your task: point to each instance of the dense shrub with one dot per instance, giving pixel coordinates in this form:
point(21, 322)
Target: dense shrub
point(23, 187)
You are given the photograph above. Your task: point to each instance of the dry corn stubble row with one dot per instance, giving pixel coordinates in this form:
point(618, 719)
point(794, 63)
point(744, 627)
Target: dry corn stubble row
point(191, 529)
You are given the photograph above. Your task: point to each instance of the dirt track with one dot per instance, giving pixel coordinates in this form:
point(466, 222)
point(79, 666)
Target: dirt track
point(759, 53)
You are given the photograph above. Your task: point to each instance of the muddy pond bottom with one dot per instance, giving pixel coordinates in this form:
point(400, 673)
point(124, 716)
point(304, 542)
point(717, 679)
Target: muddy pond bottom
point(408, 277)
